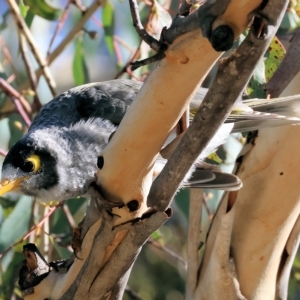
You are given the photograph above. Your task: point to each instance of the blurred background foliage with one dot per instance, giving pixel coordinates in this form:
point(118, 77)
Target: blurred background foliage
point(80, 52)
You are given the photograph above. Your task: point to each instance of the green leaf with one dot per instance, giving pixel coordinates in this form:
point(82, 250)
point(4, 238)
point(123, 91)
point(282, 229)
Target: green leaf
point(274, 56)
point(108, 14)
point(43, 9)
point(8, 276)
point(23, 9)
point(63, 253)
point(156, 235)
point(215, 158)
point(16, 224)
point(59, 222)
point(4, 17)
point(29, 18)
point(80, 71)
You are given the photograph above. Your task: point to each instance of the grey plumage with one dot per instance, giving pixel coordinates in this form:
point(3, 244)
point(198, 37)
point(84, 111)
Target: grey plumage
point(57, 158)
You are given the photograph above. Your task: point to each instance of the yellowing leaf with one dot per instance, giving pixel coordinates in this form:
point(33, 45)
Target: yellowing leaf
point(274, 56)
point(215, 158)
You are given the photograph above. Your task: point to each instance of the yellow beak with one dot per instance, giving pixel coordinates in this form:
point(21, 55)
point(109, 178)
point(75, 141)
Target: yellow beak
point(10, 185)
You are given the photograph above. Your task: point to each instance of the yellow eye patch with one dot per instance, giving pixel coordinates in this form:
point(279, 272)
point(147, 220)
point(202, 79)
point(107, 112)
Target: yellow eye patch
point(36, 162)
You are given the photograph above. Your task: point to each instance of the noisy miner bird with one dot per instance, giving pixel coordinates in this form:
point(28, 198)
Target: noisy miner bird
point(57, 158)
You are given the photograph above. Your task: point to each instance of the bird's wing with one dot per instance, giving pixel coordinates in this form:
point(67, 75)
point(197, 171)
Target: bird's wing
point(107, 100)
point(258, 120)
point(110, 100)
point(288, 106)
point(221, 181)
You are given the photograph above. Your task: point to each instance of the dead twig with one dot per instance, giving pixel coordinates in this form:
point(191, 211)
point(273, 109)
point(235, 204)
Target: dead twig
point(3, 152)
point(18, 100)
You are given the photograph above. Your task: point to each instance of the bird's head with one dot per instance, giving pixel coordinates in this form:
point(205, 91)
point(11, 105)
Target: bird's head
point(28, 169)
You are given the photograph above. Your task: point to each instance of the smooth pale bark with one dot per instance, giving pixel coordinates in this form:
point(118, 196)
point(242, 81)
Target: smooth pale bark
point(263, 214)
point(130, 155)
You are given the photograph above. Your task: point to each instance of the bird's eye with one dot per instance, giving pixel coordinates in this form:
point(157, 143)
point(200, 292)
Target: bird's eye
point(31, 164)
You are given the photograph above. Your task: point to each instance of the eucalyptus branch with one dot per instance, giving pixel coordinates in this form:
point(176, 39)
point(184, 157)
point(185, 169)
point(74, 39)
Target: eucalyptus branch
point(217, 104)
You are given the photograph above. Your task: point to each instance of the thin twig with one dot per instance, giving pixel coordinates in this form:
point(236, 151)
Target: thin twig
point(156, 57)
point(115, 37)
point(69, 216)
point(34, 214)
point(30, 72)
point(195, 214)
point(69, 38)
point(3, 152)
point(51, 211)
point(211, 114)
point(21, 110)
point(46, 239)
point(157, 245)
point(18, 100)
point(128, 64)
point(9, 90)
point(59, 25)
point(11, 78)
point(76, 29)
point(23, 28)
point(118, 53)
point(79, 5)
point(147, 38)
point(7, 55)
